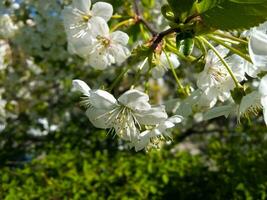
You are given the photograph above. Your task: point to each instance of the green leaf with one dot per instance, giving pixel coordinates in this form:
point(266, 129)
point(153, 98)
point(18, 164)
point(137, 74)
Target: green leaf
point(218, 112)
point(167, 12)
point(148, 3)
point(205, 5)
point(182, 8)
point(186, 46)
point(232, 14)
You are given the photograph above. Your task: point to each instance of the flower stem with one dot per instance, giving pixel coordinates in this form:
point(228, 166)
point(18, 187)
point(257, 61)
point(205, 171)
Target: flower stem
point(175, 75)
point(234, 50)
point(122, 23)
point(222, 60)
point(230, 37)
point(119, 77)
point(180, 55)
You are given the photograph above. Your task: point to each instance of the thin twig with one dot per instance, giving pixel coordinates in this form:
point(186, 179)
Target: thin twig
point(158, 38)
point(140, 19)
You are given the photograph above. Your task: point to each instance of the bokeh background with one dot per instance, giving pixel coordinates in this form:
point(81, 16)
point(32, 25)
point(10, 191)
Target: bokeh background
point(50, 151)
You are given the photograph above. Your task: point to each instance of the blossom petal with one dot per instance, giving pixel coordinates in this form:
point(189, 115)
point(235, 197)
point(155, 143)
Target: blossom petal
point(119, 37)
point(173, 59)
point(143, 141)
point(120, 53)
point(265, 115)
point(102, 99)
point(258, 48)
point(263, 86)
point(99, 117)
point(82, 5)
point(135, 100)
point(102, 9)
point(264, 102)
point(100, 60)
point(152, 116)
point(81, 86)
point(99, 27)
point(176, 119)
point(251, 70)
point(158, 72)
point(248, 101)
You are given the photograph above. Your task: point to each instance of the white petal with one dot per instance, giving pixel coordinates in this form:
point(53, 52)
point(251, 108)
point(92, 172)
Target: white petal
point(152, 116)
point(248, 101)
point(208, 99)
point(99, 117)
point(204, 80)
point(237, 66)
point(263, 86)
point(176, 119)
point(82, 5)
point(99, 60)
point(99, 27)
point(165, 125)
point(81, 46)
point(69, 16)
point(135, 100)
point(102, 9)
point(143, 141)
point(102, 99)
point(264, 102)
point(158, 72)
point(119, 37)
point(265, 115)
point(251, 70)
point(119, 52)
point(172, 58)
point(81, 86)
point(258, 48)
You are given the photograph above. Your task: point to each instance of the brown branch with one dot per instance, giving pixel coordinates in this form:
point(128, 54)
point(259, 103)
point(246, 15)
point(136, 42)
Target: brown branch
point(158, 38)
point(140, 19)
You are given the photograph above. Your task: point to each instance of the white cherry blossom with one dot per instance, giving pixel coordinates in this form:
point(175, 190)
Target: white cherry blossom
point(153, 136)
point(108, 48)
point(125, 115)
point(79, 20)
point(215, 81)
point(257, 50)
point(263, 92)
point(163, 64)
point(7, 27)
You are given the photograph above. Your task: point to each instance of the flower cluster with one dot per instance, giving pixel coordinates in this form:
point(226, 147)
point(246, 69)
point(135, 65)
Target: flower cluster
point(7, 27)
point(89, 35)
point(228, 62)
point(131, 117)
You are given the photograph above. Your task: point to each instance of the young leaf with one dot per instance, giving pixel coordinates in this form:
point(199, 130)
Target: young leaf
point(218, 112)
point(232, 14)
point(182, 8)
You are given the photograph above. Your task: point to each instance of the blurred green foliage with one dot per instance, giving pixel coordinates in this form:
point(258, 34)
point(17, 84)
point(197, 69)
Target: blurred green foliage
point(231, 166)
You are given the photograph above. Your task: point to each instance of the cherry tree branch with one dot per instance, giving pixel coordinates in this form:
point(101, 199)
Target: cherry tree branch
point(159, 37)
point(140, 19)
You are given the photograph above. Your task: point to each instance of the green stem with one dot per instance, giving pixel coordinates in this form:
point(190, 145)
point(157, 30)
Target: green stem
point(174, 74)
point(122, 23)
point(180, 55)
point(230, 37)
point(138, 74)
point(234, 50)
point(222, 60)
point(116, 81)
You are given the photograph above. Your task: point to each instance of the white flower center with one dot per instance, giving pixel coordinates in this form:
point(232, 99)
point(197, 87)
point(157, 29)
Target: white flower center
point(218, 74)
point(104, 41)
